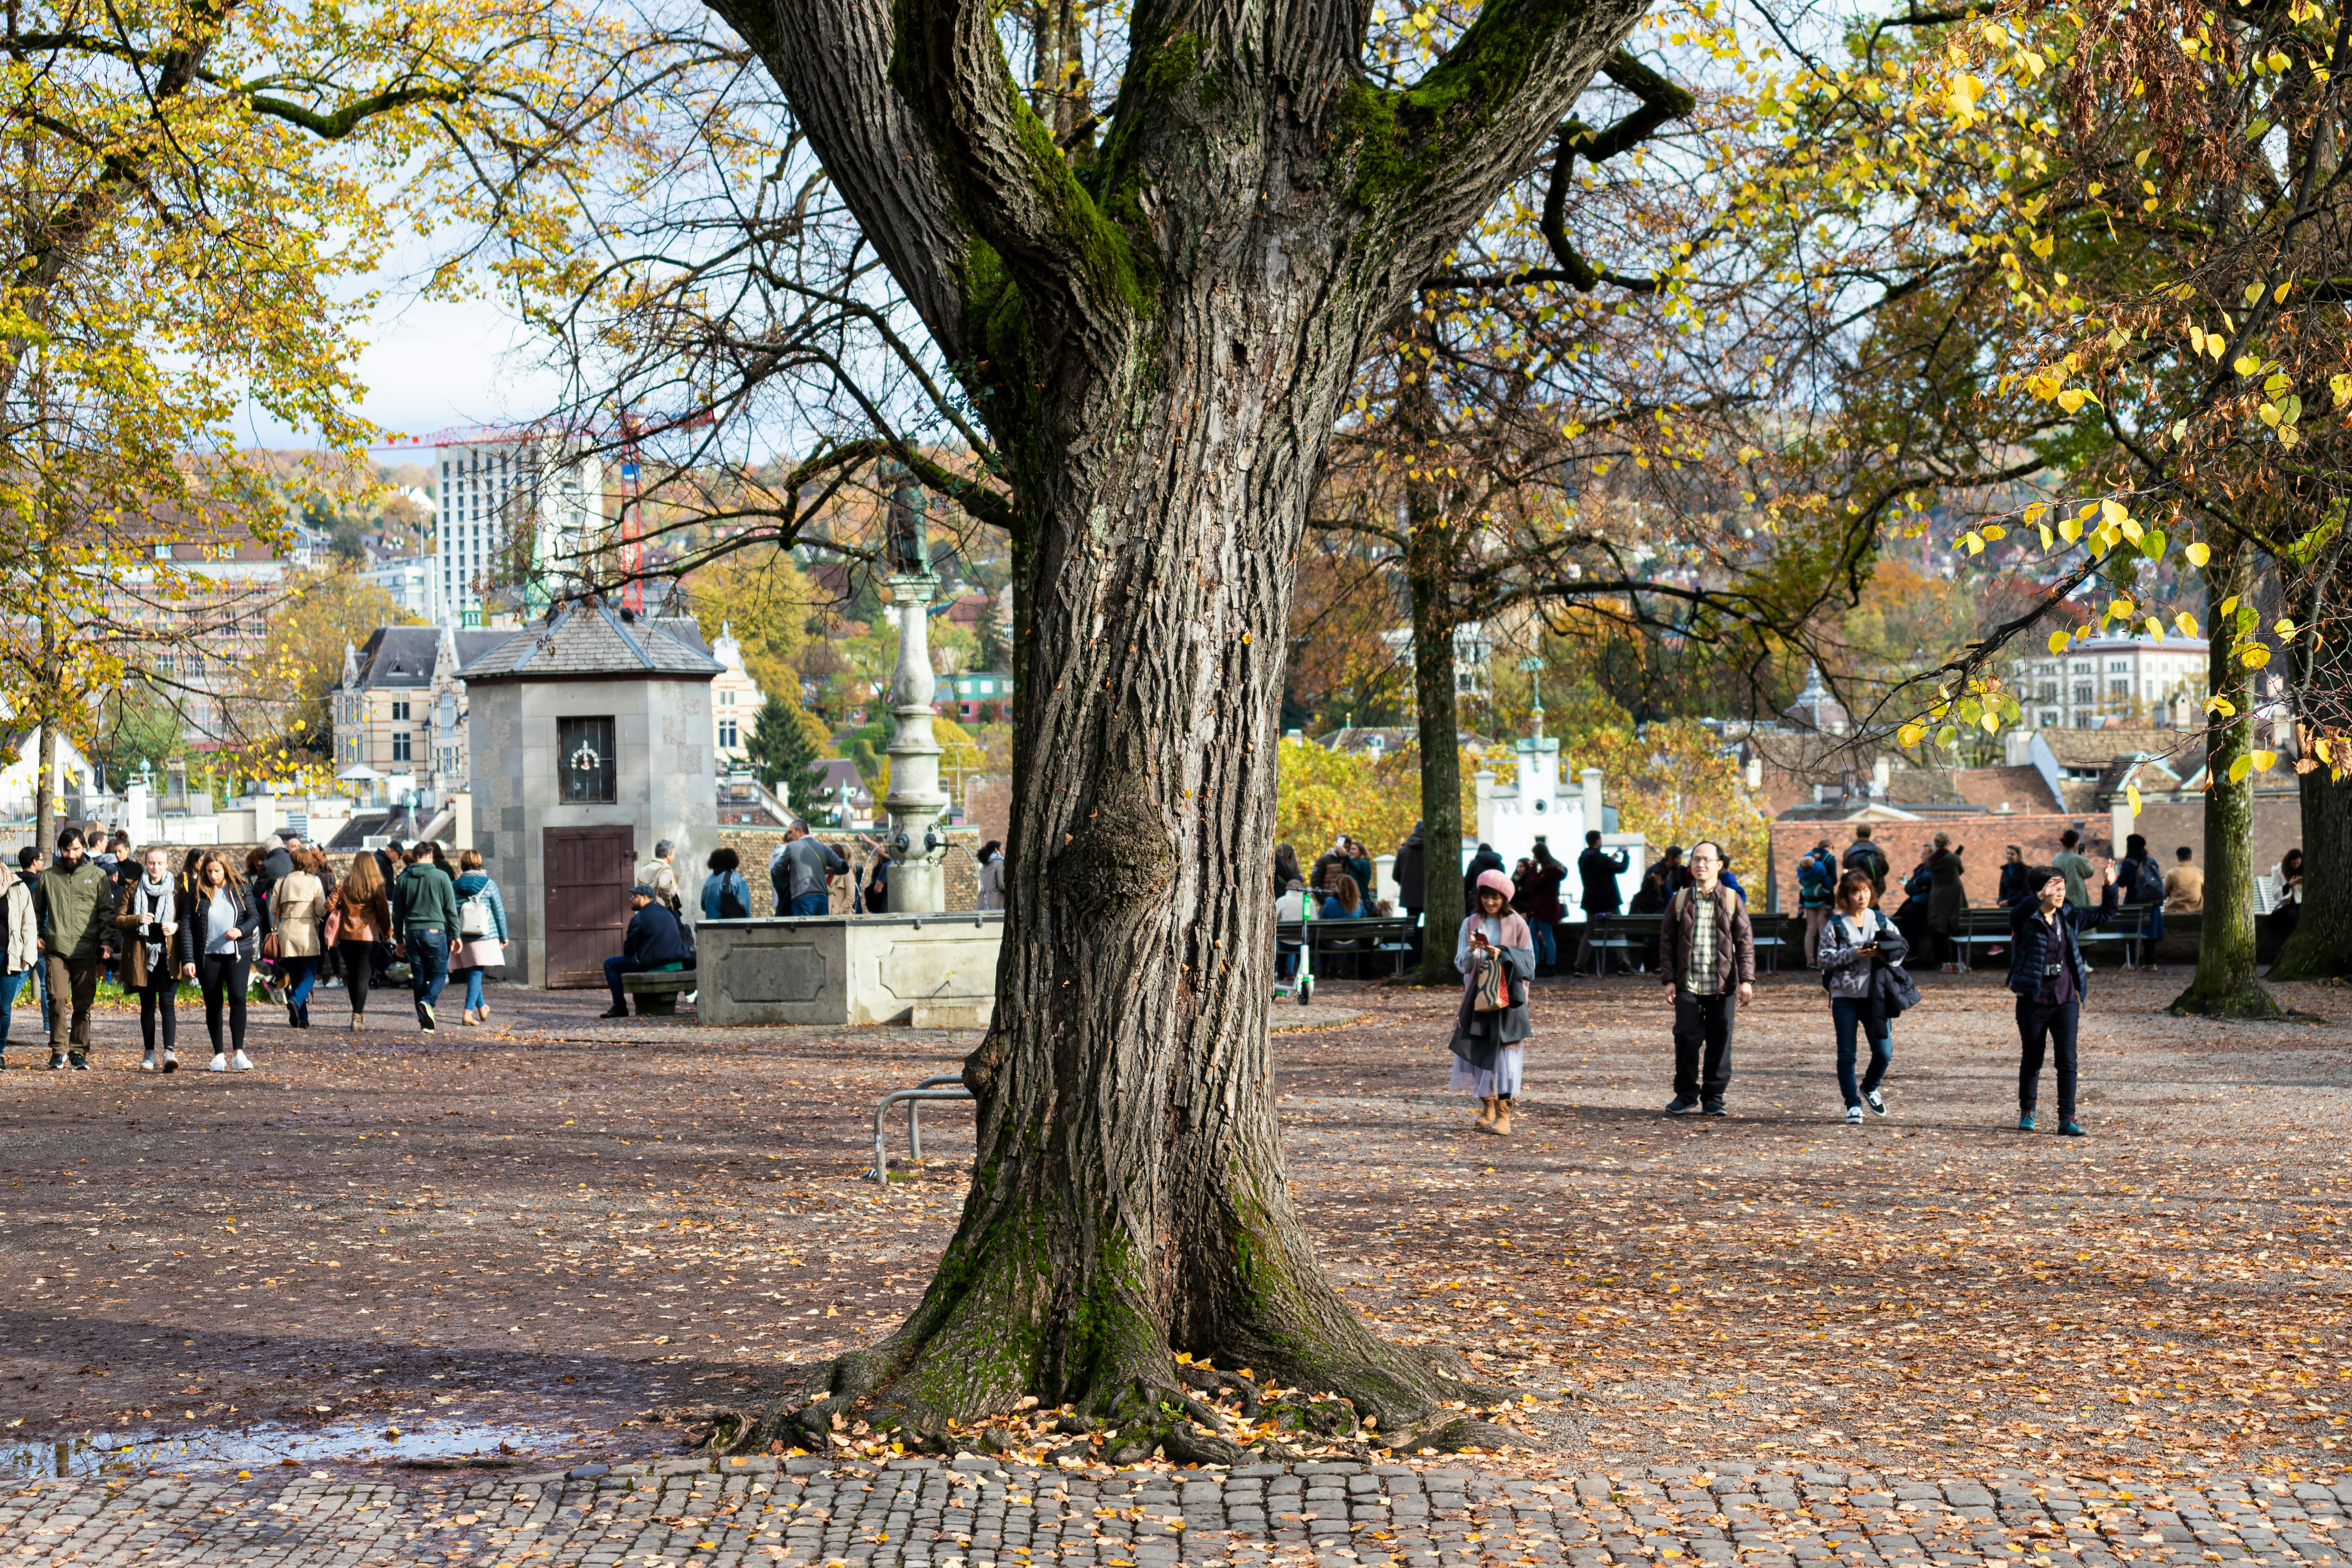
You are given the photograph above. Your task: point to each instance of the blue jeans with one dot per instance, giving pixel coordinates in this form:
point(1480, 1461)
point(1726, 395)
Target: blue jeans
point(1547, 944)
point(1846, 1011)
point(9, 985)
point(428, 963)
point(473, 988)
point(812, 904)
point(300, 974)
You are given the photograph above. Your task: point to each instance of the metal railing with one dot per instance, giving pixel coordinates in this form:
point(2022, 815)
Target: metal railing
point(930, 1090)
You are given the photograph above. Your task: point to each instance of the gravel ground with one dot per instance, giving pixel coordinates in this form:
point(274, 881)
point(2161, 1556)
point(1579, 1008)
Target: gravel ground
point(544, 1234)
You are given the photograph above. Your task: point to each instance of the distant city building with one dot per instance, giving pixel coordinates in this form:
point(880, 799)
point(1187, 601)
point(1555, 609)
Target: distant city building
point(410, 579)
point(2112, 680)
point(1815, 711)
point(399, 712)
point(218, 630)
point(485, 491)
point(961, 696)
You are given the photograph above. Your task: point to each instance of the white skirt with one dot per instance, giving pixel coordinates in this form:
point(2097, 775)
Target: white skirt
point(1509, 1062)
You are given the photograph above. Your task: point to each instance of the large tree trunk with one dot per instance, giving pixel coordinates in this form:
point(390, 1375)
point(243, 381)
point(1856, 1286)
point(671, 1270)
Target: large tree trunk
point(1430, 549)
point(2320, 946)
point(2225, 985)
point(1161, 350)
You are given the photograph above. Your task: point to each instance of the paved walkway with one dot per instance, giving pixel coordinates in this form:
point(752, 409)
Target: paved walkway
point(971, 1513)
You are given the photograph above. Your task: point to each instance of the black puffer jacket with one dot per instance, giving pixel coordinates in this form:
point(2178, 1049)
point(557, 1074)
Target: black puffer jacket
point(2029, 938)
point(252, 923)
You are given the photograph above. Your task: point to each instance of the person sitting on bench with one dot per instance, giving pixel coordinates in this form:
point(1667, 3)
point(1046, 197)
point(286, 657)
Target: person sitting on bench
point(653, 942)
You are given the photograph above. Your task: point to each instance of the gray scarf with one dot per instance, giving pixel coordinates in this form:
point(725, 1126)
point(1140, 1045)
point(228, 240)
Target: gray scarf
point(154, 900)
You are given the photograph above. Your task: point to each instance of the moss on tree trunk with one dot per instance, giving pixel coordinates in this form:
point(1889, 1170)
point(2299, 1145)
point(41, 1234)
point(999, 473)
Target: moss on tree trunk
point(2225, 985)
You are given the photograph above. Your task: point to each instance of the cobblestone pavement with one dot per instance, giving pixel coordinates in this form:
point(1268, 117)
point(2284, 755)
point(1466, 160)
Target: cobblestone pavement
point(973, 1513)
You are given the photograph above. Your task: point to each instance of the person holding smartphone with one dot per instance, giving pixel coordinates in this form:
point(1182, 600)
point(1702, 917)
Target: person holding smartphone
point(1856, 940)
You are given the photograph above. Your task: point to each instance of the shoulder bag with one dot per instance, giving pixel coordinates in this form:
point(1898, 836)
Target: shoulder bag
point(1493, 992)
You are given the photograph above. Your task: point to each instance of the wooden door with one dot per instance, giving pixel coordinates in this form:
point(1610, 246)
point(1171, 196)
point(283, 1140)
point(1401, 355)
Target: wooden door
point(588, 872)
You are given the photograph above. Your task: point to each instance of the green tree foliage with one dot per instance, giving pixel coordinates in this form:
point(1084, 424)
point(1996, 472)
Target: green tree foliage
point(784, 744)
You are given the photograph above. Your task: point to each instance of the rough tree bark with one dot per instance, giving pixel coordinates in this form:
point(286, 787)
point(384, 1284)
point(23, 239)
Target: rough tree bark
point(2225, 985)
point(1161, 350)
point(2320, 946)
point(1429, 553)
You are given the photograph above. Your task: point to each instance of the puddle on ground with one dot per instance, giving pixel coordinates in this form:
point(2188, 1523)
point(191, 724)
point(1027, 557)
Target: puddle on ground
point(490, 1445)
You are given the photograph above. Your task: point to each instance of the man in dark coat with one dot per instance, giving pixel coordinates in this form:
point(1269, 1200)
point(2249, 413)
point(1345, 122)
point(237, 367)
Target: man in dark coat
point(2049, 976)
point(653, 941)
point(1412, 873)
point(1481, 863)
point(73, 899)
point(1597, 870)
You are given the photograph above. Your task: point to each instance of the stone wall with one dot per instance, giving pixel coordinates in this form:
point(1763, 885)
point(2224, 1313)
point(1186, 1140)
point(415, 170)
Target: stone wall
point(756, 843)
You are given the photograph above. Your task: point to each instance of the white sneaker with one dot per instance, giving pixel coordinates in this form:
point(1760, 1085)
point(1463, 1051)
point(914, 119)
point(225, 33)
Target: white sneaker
point(218, 1064)
point(240, 1063)
point(1853, 1116)
point(171, 1059)
point(147, 1062)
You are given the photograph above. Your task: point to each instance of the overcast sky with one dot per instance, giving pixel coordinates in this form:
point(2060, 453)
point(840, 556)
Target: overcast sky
point(429, 367)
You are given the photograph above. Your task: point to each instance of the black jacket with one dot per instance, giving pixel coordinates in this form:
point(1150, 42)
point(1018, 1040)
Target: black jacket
point(654, 937)
point(196, 925)
point(2029, 938)
point(1412, 871)
point(1598, 870)
point(1486, 860)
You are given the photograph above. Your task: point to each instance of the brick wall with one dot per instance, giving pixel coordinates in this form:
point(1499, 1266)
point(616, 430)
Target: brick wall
point(756, 843)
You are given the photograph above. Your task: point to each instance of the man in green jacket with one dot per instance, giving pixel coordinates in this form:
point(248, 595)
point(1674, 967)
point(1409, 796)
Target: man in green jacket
point(425, 909)
point(77, 913)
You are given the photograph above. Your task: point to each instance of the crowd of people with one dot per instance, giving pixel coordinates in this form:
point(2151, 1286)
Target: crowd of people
point(282, 918)
point(1704, 951)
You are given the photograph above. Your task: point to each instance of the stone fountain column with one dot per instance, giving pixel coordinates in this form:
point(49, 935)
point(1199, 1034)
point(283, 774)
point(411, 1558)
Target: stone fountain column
point(916, 802)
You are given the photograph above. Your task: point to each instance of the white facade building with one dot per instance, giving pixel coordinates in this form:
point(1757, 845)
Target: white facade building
point(1541, 803)
point(484, 492)
point(2137, 679)
point(735, 700)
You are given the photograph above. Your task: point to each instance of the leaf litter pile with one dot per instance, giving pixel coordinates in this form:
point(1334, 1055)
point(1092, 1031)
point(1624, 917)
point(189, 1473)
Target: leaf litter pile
point(593, 1232)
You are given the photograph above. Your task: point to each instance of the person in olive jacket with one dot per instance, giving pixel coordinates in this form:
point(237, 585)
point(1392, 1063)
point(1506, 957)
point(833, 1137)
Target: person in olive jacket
point(77, 910)
point(425, 909)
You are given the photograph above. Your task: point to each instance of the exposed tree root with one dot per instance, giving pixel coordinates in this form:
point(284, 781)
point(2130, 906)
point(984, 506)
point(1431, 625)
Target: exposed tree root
point(1199, 1414)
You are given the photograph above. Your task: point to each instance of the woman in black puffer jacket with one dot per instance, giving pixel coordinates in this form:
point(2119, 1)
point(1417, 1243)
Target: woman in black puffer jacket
point(220, 935)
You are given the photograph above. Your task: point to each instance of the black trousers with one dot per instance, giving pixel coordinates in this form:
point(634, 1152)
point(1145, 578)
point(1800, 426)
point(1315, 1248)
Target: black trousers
point(359, 962)
point(1703, 1024)
point(162, 997)
point(2053, 1022)
point(224, 977)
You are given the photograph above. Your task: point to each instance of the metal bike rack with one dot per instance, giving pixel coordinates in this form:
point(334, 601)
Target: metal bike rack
point(931, 1089)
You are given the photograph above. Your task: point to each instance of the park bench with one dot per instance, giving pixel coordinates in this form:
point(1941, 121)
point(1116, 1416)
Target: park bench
point(1394, 936)
point(657, 990)
point(1776, 935)
point(1988, 928)
point(946, 1086)
point(1629, 934)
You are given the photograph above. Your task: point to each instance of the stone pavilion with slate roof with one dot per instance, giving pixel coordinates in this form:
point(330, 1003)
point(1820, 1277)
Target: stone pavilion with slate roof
point(592, 740)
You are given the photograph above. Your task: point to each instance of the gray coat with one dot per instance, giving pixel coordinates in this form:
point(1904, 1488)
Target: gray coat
point(1844, 971)
point(1479, 1038)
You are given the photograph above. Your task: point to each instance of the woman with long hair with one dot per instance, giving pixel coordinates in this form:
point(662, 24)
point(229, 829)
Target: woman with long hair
point(479, 905)
point(360, 917)
point(1285, 869)
point(1489, 1053)
point(218, 937)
